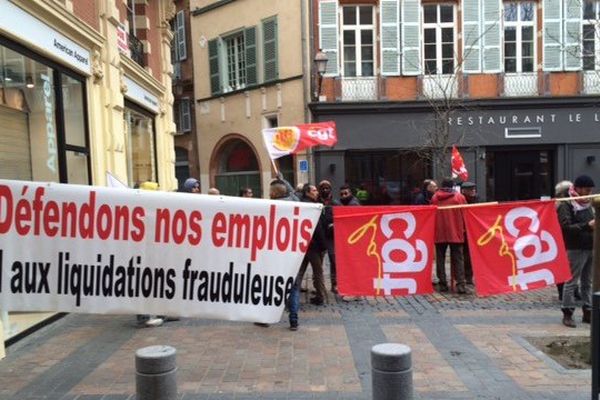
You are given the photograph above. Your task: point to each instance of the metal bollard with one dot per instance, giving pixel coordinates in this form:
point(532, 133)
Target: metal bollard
point(595, 345)
point(155, 368)
point(391, 369)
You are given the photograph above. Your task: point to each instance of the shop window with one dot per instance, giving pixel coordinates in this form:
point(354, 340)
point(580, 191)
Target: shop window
point(237, 168)
point(42, 114)
point(182, 169)
point(389, 177)
point(140, 145)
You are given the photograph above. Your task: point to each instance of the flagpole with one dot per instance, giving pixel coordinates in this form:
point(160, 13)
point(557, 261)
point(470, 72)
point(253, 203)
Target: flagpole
point(274, 166)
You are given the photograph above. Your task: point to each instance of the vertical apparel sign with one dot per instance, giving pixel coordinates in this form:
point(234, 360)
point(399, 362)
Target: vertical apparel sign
point(516, 246)
point(383, 251)
point(89, 249)
point(284, 140)
point(459, 170)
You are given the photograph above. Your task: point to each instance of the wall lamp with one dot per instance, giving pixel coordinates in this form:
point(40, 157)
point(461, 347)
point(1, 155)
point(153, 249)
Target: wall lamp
point(320, 61)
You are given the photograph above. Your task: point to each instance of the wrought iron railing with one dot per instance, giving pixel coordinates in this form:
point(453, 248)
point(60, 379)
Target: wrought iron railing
point(136, 47)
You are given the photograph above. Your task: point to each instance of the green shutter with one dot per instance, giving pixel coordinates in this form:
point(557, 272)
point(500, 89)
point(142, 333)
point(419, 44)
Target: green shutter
point(572, 35)
point(390, 37)
point(552, 35)
point(250, 43)
point(411, 37)
point(492, 35)
point(328, 34)
point(213, 62)
point(471, 36)
point(271, 66)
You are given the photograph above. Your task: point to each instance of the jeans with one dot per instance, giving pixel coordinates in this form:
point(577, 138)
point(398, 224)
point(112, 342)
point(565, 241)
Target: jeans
point(580, 262)
point(294, 302)
point(456, 262)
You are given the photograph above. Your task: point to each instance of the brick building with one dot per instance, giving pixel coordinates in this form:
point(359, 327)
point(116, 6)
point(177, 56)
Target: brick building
point(514, 84)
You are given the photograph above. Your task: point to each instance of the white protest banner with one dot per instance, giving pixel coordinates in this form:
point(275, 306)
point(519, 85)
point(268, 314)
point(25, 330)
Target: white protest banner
point(98, 250)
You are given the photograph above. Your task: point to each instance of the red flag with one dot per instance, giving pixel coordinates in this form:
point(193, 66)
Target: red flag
point(384, 250)
point(284, 140)
point(516, 246)
point(458, 166)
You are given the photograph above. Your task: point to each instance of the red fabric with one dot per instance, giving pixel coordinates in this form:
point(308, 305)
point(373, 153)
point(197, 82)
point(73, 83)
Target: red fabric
point(284, 140)
point(317, 134)
point(449, 224)
point(384, 250)
point(516, 246)
point(458, 165)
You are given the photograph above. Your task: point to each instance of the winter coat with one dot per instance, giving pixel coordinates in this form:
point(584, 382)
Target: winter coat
point(318, 244)
point(449, 224)
point(423, 198)
point(577, 234)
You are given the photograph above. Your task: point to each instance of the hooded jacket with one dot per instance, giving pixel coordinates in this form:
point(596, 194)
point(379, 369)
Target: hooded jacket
point(449, 224)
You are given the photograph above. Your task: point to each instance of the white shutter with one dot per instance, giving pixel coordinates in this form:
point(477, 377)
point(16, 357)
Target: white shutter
point(572, 35)
point(471, 14)
point(552, 38)
point(390, 37)
point(328, 34)
point(411, 37)
point(181, 48)
point(492, 35)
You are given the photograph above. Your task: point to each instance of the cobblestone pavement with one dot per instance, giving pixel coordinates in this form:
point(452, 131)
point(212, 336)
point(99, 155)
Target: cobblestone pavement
point(464, 347)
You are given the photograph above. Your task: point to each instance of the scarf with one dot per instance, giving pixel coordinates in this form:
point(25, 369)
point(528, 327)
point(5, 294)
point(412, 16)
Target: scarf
point(578, 204)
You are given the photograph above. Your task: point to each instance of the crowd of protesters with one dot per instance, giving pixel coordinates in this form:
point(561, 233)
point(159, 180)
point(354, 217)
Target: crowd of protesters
point(576, 218)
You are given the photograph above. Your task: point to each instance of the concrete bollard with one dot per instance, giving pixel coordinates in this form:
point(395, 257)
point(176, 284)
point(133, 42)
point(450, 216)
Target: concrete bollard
point(391, 368)
point(155, 368)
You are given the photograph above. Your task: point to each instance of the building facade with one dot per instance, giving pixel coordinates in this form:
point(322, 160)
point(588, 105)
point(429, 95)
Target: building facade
point(514, 84)
point(186, 144)
point(85, 89)
point(249, 60)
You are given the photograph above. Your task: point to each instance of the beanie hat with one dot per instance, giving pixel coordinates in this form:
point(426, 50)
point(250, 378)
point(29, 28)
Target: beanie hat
point(583, 181)
point(191, 183)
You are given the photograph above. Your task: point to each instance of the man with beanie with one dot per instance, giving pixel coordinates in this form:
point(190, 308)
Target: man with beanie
point(449, 232)
point(576, 218)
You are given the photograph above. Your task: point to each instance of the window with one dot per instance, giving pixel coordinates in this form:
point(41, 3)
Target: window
point(519, 36)
point(140, 145)
point(358, 38)
point(591, 30)
point(184, 117)
point(236, 62)
point(438, 38)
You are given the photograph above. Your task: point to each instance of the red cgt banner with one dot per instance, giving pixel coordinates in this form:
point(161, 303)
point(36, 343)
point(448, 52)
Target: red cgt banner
point(515, 247)
point(384, 250)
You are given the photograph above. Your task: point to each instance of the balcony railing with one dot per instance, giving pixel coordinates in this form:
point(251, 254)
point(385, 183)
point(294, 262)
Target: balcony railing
point(591, 82)
point(136, 47)
point(520, 85)
point(361, 88)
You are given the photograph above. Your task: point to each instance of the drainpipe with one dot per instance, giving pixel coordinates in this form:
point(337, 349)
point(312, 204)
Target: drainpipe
point(307, 72)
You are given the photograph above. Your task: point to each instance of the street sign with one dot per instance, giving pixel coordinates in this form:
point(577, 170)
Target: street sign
point(303, 165)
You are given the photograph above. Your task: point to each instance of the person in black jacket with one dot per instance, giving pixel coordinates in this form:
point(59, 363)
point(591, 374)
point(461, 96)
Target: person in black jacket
point(576, 218)
point(427, 191)
point(326, 198)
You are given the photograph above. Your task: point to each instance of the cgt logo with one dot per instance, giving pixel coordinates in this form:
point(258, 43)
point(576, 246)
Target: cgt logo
point(323, 134)
point(532, 247)
point(401, 253)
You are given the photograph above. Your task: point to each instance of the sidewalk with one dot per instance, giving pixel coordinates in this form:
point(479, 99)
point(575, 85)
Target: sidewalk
point(463, 348)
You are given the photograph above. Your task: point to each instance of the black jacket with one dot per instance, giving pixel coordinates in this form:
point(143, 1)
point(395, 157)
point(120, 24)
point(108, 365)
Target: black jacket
point(574, 224)
point(318, 243)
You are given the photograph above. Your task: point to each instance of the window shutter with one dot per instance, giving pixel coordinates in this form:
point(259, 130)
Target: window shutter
point(492, 35)
point(251, 68)
point(471, 36)
point(174, 55)
point(271, 67)
point(186, 118)
point(213, 62)
point(552, 35)
point(411, 37)
point(181, 49)
point(328, 34)
point(572, 35)
point(390, 37)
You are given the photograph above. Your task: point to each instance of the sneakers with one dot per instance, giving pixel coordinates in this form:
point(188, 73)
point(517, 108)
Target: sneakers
point(443, 287)
point(152, 322)
point(262, 324)
point(294, 326)
point(462, 289)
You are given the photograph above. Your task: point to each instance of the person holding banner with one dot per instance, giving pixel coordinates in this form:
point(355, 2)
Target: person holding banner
point(576, 218)
point(449, 232)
